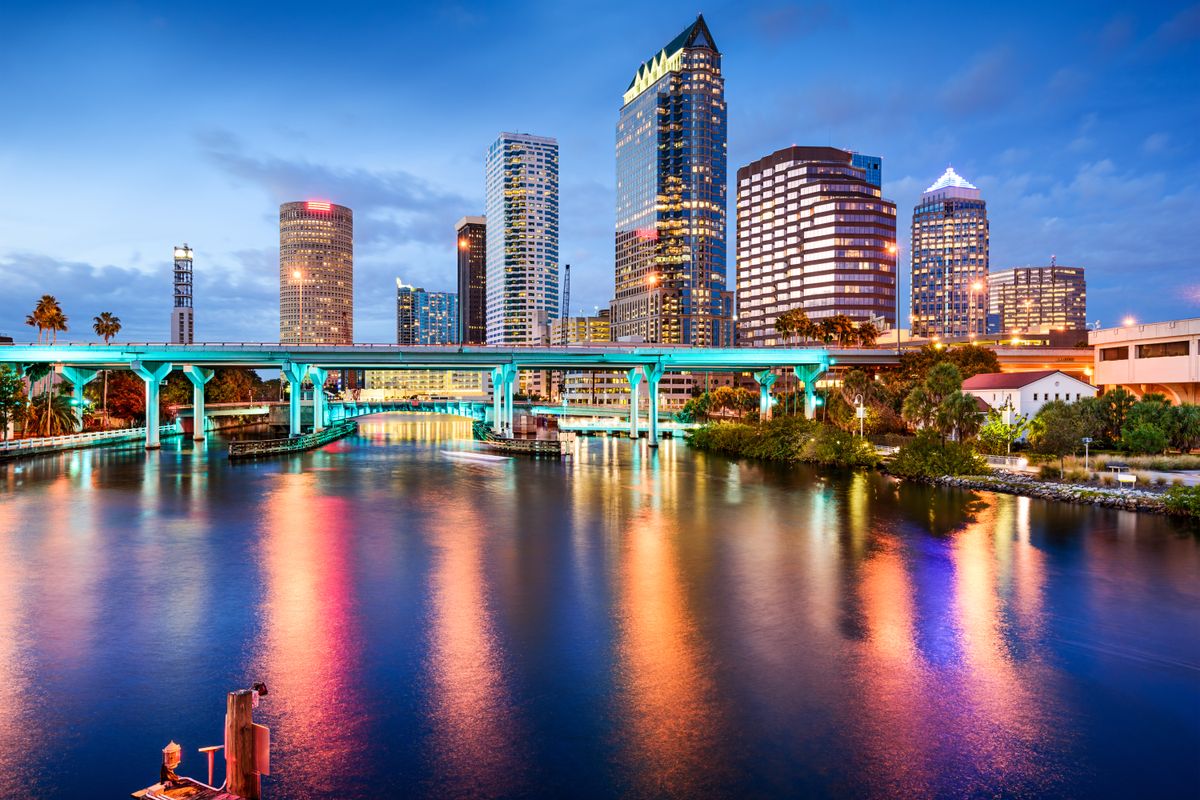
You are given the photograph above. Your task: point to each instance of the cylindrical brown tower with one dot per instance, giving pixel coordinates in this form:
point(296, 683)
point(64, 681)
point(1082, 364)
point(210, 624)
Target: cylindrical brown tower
point(316, 273)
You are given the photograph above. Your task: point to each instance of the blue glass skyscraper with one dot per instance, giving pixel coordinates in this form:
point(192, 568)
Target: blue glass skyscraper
point(671, 198)
point(425, 317)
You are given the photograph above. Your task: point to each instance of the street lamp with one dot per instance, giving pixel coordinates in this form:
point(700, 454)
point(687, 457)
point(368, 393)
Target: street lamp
point(1087, 441)
point(861, 410)
point(893, 249)
point(1007, 408)
point(298, 276)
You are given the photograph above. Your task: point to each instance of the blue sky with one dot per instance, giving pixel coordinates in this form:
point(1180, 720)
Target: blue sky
point(127, 128)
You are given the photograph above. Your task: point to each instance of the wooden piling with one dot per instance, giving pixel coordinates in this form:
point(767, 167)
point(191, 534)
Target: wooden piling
point(240, 769)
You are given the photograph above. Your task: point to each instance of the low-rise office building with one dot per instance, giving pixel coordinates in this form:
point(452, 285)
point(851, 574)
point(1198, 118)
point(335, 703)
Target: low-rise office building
point(1161, 357)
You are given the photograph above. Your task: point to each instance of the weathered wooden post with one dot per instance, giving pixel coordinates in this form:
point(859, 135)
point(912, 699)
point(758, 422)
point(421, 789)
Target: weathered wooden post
point(240, 768)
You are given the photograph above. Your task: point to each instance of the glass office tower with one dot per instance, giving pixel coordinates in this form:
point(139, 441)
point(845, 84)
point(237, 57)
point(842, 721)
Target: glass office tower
point(950, 260)
point(471, 235)
point(425, 317)
point(671, 198)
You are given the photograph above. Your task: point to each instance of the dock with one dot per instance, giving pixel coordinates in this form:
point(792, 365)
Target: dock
point(259, 448)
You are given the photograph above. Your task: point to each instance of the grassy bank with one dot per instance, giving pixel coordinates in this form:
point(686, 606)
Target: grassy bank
point(788, 440)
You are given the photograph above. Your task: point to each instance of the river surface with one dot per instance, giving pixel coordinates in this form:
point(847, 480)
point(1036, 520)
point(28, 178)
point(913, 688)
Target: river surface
point(623, 624)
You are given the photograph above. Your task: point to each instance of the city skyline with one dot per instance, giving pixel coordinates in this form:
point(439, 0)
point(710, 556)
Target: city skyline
point(1067, 165)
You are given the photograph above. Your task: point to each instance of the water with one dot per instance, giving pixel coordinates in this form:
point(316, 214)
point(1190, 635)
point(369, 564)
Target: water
point(625, 624)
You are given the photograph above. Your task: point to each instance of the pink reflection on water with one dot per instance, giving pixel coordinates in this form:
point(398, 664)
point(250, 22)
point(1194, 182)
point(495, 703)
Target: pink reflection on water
point(18, 722)
point(667, 692)
point(472, 713)
point(311, 652)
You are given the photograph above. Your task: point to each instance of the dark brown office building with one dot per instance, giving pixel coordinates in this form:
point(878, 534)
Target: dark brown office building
point(471, 233)
point(812, 233)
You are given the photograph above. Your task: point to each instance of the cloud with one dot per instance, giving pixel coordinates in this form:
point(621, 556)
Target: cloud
point(986, 85)
point(1156, 143)
point(391, 207)
point(1181, 28)
point(799, 20)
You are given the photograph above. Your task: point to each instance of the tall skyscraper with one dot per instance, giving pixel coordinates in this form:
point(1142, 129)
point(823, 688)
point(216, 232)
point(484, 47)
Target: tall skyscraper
point(671, 197)
point(1037, 300)
point(812, 233)
point(183, 328)
point(873, 166)
point(471, 233)
point(316, 273)
point(950, 260)
point(425, 317)
point(522, 238)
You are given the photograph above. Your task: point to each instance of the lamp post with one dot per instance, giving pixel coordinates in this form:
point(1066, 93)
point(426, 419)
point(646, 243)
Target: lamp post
point(1087, 441)
point(1008, 409)
point(299, 278)
point(893, 249)
point(972, 309)
point(861, 410)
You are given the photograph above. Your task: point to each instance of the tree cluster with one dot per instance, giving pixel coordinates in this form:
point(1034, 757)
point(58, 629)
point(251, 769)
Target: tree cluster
point(794, 324)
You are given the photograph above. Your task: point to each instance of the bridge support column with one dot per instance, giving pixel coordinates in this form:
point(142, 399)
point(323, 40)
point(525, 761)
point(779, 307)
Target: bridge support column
point(198, 376)
point(295, 375)
point(79, 377)
point(153, 373)
point(653, 374)
point(498, 401)
point(809, 374)
point(765, 379)
point(319, 375)
point(635, 382)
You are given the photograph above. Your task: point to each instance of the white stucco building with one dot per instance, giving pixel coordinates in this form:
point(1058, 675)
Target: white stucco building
point(1155, 357)
point(1026, 392)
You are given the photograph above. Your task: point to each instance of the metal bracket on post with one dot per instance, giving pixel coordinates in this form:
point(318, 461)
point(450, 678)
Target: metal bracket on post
point(198, 376)
point(653, 374)
point(79, 377)
point(153, 373)
point(765, 379)
point(635, 381)
point(318, 375)
point(295, 375)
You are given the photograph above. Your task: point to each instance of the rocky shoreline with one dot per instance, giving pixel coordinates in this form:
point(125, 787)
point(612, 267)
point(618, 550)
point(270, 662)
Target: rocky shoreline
point(1029, 486)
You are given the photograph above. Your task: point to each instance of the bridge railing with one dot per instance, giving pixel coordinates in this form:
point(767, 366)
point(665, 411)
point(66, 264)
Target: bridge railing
point(81, 439)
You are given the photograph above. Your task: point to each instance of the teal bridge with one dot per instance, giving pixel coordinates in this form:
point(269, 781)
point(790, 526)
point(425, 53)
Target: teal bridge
point(79, 363)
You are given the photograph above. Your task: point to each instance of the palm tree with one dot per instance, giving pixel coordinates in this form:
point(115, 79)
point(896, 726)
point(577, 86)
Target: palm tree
point(958, 416)
point(919, 409)
point(56, 418)
point(106, 325)
point(868, 333)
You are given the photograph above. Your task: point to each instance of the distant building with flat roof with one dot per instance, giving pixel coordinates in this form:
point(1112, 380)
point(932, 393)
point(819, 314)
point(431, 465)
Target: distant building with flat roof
point(1032, 300)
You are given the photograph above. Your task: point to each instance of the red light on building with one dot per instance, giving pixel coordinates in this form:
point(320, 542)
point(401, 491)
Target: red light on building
point(318, 205)
point(649, 234)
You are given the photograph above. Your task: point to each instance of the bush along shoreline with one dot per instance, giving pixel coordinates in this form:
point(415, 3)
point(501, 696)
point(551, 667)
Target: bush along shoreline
point(926, 459)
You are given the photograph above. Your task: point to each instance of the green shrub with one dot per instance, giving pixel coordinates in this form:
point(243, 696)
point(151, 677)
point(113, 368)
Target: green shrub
point(837, 448)
point(1183, 500)
point(1145, 437)
point(927, 456)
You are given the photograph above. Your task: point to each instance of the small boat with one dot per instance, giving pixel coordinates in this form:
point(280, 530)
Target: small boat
point(471, 455)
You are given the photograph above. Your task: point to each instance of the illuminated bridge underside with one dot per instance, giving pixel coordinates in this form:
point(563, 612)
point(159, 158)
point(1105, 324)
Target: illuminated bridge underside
point(80, 363)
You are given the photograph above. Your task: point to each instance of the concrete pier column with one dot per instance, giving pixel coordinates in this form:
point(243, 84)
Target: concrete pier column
point(153, 373)
point(765, 379)
point(319, 375)
point(79, 377)
point(497, 400)
point(198, 376)
point(653, 374)
point(510, 380)
point(635, 382)
point(809, 374)
point(295, 375)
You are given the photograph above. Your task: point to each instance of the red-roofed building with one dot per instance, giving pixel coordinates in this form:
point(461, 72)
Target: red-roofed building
point(1026, 392)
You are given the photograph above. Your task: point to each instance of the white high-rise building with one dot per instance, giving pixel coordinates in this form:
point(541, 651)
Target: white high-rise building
point(183, 325)
point(522, 238)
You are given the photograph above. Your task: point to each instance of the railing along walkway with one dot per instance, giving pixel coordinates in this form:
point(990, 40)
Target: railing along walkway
point(75, 440)
point(253, 448)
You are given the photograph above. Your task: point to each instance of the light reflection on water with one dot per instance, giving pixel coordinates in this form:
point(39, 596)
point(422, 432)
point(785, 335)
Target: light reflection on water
point(629, 622)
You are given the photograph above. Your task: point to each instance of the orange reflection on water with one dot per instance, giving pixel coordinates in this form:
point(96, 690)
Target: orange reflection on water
point(668, 693)
point(311, 649)
point(472, 713)
point(1007, 715)
point(893, 692)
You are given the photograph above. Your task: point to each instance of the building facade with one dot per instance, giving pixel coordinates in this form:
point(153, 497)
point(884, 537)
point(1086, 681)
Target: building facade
point(872, 165)
point(1024, 393)
point(812, 233)
point(950, 260)
point(1154, 357)
point(316, 273)
point(425, 317)
point(1025, 300)
point(522, 238)
point(183, 323)
point(671, 198)
point(471, 236)
point(404, 384)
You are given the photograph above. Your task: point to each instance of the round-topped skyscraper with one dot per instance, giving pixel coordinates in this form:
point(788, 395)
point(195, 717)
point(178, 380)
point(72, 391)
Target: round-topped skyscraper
point(316, 273)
